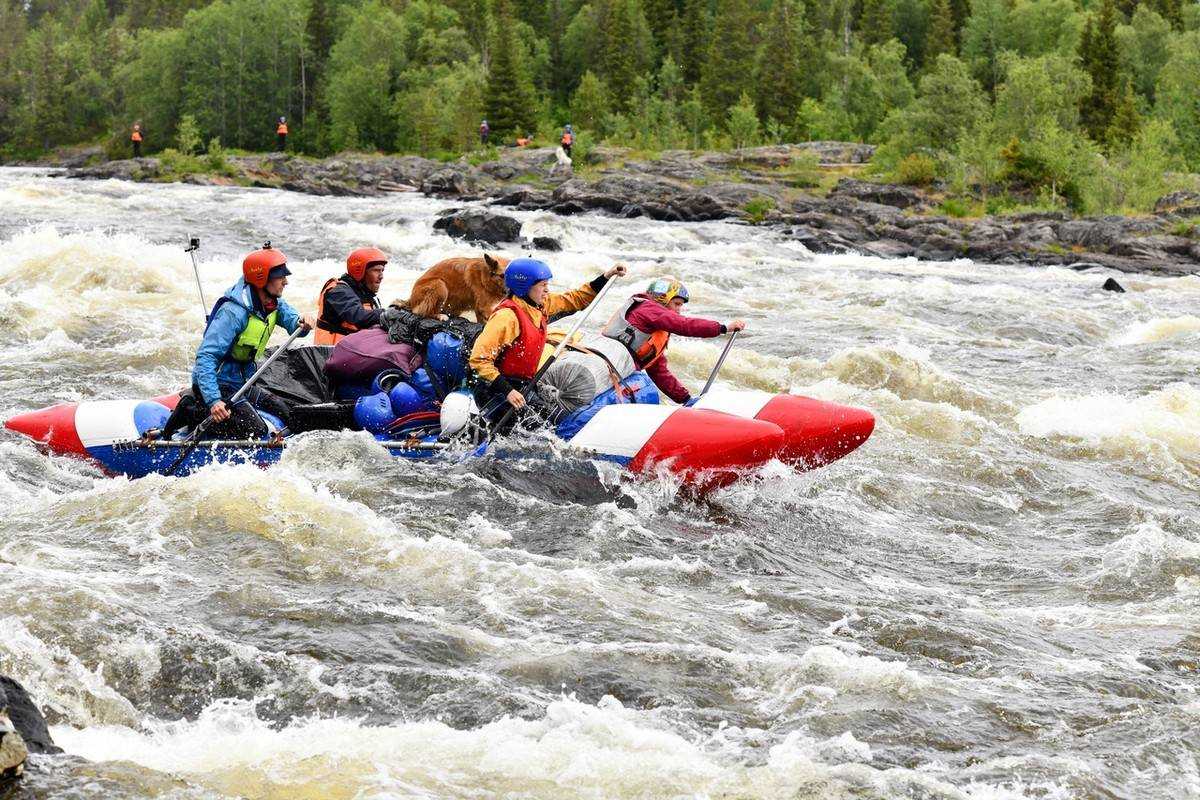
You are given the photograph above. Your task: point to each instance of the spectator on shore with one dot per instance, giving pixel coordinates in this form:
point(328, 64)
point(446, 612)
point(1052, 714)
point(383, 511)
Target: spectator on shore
point(568, 139)
point(136, 138)
point(485, 130)
point(281, 132)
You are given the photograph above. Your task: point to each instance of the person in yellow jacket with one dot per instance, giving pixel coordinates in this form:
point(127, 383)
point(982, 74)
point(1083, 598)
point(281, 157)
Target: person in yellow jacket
point(508, 352)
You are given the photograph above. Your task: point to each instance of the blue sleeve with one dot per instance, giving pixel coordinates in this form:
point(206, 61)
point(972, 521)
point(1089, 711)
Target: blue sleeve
point(346, 307)
point(218, 339)
point(289, 318)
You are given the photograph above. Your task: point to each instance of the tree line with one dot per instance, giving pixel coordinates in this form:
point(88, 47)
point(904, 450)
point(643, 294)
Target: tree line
point(1086, 103)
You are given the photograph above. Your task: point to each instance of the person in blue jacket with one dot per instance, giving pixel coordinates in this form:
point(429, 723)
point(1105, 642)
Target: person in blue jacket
point(239, 328)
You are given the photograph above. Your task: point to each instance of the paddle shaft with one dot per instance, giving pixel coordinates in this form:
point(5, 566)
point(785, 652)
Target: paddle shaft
point(529, 387)
point(194, 437)
point(720, 363)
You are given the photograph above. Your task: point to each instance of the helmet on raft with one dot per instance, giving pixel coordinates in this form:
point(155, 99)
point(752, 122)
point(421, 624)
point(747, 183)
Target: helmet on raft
point(362, 259)
point(666, 289)
point(522, 273)
point(263, 265)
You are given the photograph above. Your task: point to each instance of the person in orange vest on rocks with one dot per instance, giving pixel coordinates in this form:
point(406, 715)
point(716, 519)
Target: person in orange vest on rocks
point(350, 303)
point(136, 138)
point(281, 133)
point(509, 350)
point(645, 326)
point(568, 139)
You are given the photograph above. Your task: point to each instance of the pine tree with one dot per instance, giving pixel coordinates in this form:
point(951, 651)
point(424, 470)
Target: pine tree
point(940, 38)
point(1098, 55)
point(659, 14)
point(509, 96)
point(1126, 121)
point(779, 82)
point(620, 68)
point(725, 76)
point(876, 21)
point(694, 26)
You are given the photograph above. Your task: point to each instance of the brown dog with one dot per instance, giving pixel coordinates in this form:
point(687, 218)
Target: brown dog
point(458, 285)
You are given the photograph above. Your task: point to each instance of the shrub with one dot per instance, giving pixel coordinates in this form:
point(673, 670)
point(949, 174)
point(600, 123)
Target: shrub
point(188, 135)
point(176, 164)
point(955, 207)
point(916, 169)
point(742, 123)
point(757, 208)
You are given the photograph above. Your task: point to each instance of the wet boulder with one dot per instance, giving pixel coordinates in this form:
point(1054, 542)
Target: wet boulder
point(548, 243)
point(1182, 203)
point(23, 729)
point(474, 225)
point(1111, 285)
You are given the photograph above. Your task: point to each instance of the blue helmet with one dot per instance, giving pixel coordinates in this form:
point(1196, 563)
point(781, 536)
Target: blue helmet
point(523, 273)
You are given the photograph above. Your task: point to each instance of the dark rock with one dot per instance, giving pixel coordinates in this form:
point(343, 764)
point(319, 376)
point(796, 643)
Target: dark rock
point(1111, 285)
point(883, 193)
point(525, 198)
point(451, 181)
point(547, 243)
point(890, 248)
point(1185, 203)
point(480, 226)
point(1176, 245)
point(22, 728)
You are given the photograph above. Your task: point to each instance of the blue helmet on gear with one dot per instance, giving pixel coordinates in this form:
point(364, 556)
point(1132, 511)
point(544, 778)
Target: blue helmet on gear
point(523, 273)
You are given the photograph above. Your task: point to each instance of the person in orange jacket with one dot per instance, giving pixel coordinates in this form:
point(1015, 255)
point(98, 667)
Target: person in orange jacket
point(350, 303)
point(136, 138)
point(568, 139)
point(281, 132)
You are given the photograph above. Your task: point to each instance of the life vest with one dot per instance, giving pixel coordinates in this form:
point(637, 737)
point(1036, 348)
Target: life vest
point(567, 139)
point(252, 341)
point(282, 129)
point(136, 136)
point(646, 348)
point(521, 142)
point(522, 357)
point(333, 332)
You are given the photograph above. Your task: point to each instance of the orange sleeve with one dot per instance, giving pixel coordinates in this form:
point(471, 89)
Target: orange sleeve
point(501, 330)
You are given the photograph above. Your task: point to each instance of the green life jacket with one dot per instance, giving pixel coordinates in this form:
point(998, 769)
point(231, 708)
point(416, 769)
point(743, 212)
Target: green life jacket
point(253, 339)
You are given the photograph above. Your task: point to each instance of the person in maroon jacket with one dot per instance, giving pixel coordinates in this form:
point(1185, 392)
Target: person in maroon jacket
point(645, 326)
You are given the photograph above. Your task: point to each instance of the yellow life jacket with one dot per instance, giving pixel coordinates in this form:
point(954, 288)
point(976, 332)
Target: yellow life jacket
point(253, 339)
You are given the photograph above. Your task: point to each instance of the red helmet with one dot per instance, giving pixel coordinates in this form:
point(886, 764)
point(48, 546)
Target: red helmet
point(362, 258)
point(257, 266)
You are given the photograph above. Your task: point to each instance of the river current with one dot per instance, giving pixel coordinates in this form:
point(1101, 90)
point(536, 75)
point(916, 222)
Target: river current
point(997, 596)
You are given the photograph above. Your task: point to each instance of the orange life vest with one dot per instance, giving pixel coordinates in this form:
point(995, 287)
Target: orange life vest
point(567, 139)
point(282, 129)
point(522, 358)
point(136, 136)
point(333, 332)
point(521, 142)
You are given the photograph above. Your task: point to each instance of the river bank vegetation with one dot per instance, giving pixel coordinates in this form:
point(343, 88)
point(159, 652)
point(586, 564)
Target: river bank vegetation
point(1092, 106)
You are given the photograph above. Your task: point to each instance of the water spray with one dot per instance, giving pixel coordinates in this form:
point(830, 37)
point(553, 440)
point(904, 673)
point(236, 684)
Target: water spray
point(193, 246)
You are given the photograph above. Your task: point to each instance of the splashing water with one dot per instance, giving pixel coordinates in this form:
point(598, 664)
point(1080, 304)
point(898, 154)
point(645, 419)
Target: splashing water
point(994, 598)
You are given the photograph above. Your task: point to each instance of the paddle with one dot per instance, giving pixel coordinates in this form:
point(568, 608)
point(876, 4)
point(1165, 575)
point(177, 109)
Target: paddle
point(720, 363)
point(587, 312)
point(193, 438)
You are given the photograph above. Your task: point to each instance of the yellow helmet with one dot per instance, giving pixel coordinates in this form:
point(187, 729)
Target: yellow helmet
point(666, 289)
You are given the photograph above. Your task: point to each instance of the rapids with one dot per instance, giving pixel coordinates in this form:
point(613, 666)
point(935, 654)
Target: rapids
point(997, 596)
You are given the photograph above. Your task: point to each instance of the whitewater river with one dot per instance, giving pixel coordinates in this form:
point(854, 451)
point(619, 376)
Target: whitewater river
point(997, 596)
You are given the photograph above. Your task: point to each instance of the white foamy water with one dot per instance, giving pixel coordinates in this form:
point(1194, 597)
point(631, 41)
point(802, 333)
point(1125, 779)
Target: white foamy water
point(994, 598)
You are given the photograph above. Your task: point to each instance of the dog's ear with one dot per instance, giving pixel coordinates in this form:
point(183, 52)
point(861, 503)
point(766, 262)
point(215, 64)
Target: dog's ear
point(491, 262)
point(497, 267)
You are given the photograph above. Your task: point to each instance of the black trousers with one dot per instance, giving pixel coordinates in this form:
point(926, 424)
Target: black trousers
point(137, 149)
point(567, 149)
point(281, 141)
point(243, 423)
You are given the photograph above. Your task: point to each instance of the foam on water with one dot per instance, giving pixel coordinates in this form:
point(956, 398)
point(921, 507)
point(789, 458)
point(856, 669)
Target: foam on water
point(1158, 330)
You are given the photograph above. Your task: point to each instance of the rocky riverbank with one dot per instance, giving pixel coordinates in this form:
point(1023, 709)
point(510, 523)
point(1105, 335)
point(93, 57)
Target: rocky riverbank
point(808, 191)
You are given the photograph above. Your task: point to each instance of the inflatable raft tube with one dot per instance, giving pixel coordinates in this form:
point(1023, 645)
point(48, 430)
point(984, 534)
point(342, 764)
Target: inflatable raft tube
point(706, 448)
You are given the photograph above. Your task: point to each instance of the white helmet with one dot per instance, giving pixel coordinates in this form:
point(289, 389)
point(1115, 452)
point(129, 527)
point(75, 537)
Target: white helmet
point(457, 410)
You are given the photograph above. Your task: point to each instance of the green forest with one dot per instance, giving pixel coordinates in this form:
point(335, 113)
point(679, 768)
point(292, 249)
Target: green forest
point(1088, 104)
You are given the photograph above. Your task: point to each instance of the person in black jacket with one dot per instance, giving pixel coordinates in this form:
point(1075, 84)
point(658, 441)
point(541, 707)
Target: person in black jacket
point(349, 303)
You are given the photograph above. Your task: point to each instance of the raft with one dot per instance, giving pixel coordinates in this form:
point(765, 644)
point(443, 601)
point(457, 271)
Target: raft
point(725, 436)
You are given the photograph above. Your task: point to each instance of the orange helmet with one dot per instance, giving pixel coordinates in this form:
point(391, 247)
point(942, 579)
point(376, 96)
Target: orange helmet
point(362, 258)
point(258, 266)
